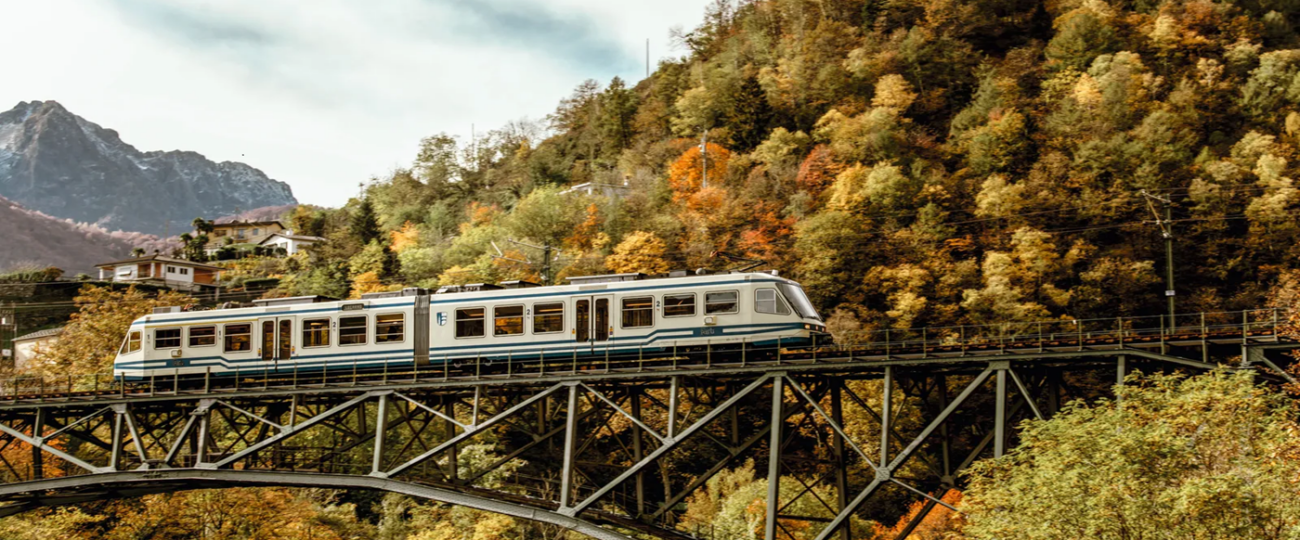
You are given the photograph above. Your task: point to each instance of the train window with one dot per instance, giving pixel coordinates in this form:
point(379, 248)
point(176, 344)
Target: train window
point(720, 302)
point(548, 318)
point(679, 305)
point(132, 343)
point(638, 312)
point(316, 333)
point(203, 336)
point(469, 322)
point(390, 328)
point(167, 338)
point(239, 337)
point(767, 301)
point(352, 330)
point(507, 320)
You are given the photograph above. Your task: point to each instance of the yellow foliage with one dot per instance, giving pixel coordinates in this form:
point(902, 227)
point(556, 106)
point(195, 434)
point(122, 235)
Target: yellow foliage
point(90, 341)
point(408, 236)
point(638, 252)
point(367, 282)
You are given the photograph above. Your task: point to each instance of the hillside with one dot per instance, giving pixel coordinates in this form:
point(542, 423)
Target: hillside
point(912, 163)
point(33, 237)
point(64, 165)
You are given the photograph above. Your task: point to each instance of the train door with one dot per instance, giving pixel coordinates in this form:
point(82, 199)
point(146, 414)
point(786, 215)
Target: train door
point(275, 339)
point(593, 320)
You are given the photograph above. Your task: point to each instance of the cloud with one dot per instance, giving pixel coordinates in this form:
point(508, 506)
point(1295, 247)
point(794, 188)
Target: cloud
point(320, 94)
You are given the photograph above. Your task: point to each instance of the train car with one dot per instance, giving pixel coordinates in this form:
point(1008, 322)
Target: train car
point(594, 316)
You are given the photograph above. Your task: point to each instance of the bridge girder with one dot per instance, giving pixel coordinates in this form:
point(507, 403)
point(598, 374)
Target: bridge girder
point(600, 451)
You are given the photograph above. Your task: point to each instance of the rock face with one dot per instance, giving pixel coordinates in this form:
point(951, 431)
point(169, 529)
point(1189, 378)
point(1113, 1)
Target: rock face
point(61, 164)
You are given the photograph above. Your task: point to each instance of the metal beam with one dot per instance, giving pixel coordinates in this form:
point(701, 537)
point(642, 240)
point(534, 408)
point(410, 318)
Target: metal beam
point(670, 444)
point(774, 459)
point(189, 479)
point(471, 432)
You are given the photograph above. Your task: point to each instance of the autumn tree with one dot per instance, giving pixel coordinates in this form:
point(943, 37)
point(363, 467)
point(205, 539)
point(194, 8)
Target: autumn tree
point(639, 252)
point(1211, 456)
point(91, 339)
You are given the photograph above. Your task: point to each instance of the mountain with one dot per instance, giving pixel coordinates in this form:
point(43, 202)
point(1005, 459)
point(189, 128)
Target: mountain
point(33, 237)
point(61, 164)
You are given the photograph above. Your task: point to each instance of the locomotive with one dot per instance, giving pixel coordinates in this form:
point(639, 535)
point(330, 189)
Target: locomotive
point(589, 317)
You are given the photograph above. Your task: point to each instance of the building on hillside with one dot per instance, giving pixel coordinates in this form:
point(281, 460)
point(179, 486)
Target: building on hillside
point(241, 232)
point(612, 191)
point(26, 346)
point(289, 242)
point(178, 274)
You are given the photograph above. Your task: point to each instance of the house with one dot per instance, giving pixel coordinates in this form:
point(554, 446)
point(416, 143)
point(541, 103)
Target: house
point(26, 346)
point(289, 242)
point(156, 269)
point(242, 232)
point(612, 191)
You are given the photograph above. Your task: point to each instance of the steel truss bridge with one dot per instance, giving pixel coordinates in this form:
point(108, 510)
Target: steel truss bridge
point(612, 447)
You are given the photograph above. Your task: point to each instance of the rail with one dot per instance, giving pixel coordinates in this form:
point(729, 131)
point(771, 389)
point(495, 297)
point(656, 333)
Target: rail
point(963, 341)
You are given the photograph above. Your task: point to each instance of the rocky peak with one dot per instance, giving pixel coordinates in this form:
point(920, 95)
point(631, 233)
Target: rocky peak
point(56, 162)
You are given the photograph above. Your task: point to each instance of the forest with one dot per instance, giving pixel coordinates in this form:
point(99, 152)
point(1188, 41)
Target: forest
point(910, 162)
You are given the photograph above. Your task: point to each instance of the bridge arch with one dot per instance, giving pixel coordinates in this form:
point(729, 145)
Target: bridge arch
point(76, 489)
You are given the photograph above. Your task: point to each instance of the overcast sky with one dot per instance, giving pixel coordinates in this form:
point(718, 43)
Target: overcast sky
point(321, 94)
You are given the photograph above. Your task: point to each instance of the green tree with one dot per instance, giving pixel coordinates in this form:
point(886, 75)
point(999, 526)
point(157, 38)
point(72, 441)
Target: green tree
point(365, 224)
point(1211, 456)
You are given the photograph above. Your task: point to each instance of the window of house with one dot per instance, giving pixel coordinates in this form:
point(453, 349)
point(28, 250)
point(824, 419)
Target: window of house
point(638, 312)
point(257, 232)
point(767, 301)
point(185, 271)
point(507, 320)
point(352, 330)
point(390, 328)
point(548, 318)
point(132, 343)
point(167, 338)
point(316, 333)
point(679, 305)
point(469, 322)
point(239, 233)
point(239, 337)
point(219, 233)
point(123, 272)
point(171, 269)
point(720, 302)
point(203, 336)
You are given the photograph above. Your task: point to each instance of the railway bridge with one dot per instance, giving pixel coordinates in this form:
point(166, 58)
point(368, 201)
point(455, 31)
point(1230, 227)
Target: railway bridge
point(612, 447)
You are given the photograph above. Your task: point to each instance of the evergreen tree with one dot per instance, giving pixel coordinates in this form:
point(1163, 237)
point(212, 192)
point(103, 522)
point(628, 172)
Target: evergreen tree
point(750, 117)
point(365, 224)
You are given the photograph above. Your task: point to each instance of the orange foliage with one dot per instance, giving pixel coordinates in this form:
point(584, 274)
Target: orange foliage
point(482, 214)
point(762, 241)
point(409, 236)
point(817, 171)
point(935, 526)
point(585, 232)
point(685, 175)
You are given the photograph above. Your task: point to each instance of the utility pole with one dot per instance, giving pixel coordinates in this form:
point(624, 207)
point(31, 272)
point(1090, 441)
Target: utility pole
point(647, 58)
point(1166, 224)
point(704, 159)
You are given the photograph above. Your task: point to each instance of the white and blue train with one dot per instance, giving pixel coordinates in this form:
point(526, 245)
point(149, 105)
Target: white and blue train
point(590, 316)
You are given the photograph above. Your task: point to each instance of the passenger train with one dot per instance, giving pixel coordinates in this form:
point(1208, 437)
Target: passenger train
point(593, 316)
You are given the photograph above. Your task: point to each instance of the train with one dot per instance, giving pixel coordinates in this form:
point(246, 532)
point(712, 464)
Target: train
point(587, 317)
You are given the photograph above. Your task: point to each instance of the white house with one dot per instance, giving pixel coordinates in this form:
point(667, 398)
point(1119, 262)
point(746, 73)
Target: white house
point(289, 242)
point(26, 346)
point(155, 269)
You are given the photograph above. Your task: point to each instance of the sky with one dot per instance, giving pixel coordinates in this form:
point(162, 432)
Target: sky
point(321, 94)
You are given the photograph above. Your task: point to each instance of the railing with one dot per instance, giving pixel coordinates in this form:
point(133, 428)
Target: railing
point(1061, 335)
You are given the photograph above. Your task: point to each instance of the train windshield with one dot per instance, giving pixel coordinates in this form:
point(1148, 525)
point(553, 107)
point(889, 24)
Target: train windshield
point(794, 294)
